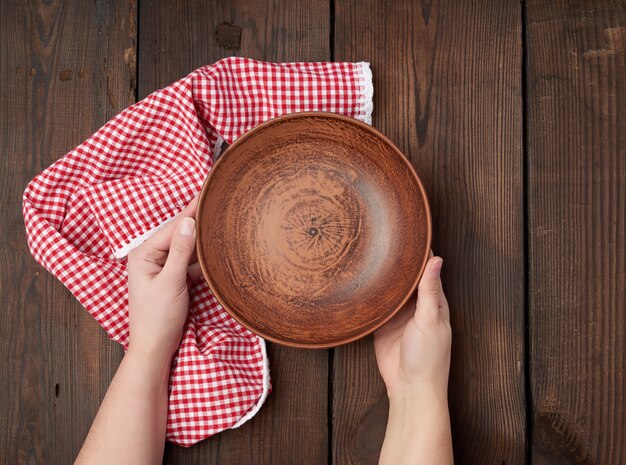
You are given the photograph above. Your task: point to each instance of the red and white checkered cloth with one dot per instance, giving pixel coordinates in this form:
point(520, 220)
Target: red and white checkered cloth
point(85, 213)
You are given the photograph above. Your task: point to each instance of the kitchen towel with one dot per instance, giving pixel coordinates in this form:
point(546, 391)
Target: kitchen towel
point(88, 210)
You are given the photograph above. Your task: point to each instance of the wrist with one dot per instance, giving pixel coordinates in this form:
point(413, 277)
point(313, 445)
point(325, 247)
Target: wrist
point(418, 394)
point(157, 350)
point(412, 410)
point(145, 376)
point(153, 360)
point(418, 428)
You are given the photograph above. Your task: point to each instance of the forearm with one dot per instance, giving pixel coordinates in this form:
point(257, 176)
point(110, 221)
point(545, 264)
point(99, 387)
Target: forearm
point(130, 425)
point(418, 430)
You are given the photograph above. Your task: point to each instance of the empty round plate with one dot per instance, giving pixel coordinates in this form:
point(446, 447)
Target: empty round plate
point(313, 230)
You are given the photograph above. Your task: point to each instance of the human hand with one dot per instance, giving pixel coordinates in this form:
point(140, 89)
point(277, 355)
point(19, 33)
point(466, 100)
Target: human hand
point(158, 297)
point(413, 348)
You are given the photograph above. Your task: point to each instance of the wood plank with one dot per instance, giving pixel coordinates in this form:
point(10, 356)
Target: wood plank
point(577, 209)
point(66, 69)
point(447, 80)
point(176, 38)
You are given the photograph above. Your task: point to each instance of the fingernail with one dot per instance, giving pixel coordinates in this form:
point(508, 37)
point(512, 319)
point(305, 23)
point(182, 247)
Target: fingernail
point(437, 264)
point(187, 226)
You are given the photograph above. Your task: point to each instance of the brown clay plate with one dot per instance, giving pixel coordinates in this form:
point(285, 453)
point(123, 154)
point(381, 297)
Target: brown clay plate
point(313, 230)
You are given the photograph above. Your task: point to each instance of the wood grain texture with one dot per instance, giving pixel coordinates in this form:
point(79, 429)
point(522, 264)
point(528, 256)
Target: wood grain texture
point(577, 209)
point(447, 90)
point(177, 37)
point(58, 63)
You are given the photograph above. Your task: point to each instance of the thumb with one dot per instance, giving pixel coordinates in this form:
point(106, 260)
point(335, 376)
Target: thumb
point(181, 249)
point(429, 290)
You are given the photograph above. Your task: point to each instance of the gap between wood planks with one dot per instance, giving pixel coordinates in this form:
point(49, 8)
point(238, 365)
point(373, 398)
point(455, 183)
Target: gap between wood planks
point(331, 352)
point(526, 253)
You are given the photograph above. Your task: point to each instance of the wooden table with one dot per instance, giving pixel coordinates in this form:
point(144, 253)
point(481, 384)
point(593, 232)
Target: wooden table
point(514, 115)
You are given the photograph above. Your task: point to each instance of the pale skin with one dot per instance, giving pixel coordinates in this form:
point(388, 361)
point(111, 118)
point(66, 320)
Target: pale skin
point(130, 425)
point(412, 351)
point(413, 355)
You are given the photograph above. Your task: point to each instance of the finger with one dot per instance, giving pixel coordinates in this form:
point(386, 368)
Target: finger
point(443, 303)
point(152, 254)
point(147, 258)
point(444, 309)
point(161, 240)
point(180, 250)
point(429, 290)
point(194, 271)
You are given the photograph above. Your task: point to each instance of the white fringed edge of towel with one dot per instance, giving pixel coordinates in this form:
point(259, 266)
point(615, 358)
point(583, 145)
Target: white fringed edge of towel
point(366, 100)
point(266, 388)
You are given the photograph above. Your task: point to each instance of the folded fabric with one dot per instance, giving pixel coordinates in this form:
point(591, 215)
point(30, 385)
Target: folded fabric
point(88, 210)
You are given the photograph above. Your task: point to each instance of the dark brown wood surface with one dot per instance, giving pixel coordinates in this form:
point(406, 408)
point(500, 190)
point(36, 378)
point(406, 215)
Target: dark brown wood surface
point(447, 90)
point(512, 113)
point(176, 38)
point(67, 68)
point(576, 85)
